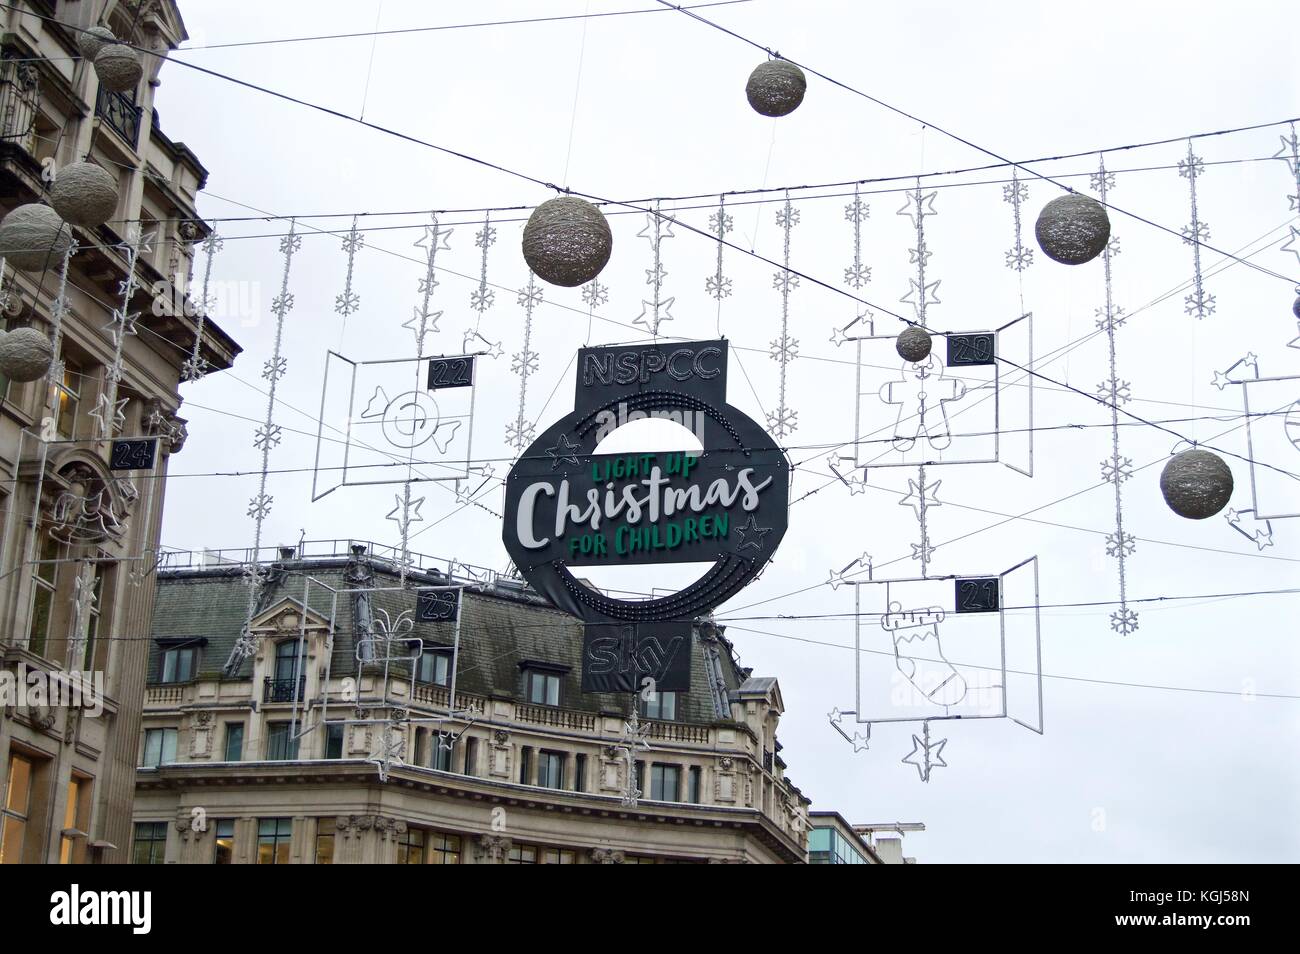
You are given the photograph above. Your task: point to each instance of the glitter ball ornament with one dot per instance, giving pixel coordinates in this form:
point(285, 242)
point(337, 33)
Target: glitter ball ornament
point(1196, 484)
point(118, 67)
point(25, 354)
point(1072, 229)
point(84, 194)
point(1295, 307)
point(776, 88)
point(913, 344)
point(567, 241)
point(33, 238)
point(93, 40)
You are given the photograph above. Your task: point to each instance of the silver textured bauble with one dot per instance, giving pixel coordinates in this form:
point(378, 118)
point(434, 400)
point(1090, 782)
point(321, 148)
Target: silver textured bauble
point(1196, 484)
point(93, 40)
point(1295, 307)
point(118, 67)
point(1072, 229)
point(913, 344)
point(84, 194)
point(776, 88)
point(33, 238)
point(567, 241)
point(25, 354)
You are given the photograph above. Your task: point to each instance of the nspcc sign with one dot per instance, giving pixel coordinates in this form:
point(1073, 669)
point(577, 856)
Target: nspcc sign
point(567, 507)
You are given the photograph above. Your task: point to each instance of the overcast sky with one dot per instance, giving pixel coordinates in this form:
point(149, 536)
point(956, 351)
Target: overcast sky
point(653, 105)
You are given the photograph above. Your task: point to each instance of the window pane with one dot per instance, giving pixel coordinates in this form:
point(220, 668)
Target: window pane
point(234, 741)
point(11, 840)
point(334, 742)
point(168, 745)
point(552, 690)
point(152, 747)
point(324, 849)
point(20, 783)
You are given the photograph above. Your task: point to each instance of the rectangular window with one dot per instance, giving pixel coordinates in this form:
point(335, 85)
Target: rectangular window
point(234, 741)
point(410, 847)
point(325, 831)
point(444, 746)
point(525, 763)
point(224, 852)
point(693, 777)
point(444, 849)
point(435, 667)
point(18, 797)
point(159, 747)
point(523, 855)
point(281, 744)
point(177, 665)
point(96, 614)
point(557, 856)
point(580, 773)
point(471, 755)
point(543, 688)
point(68, 398)
point(333, 741)
point(550, 769)
point(45, 581)
point(72, 847)
point(273, 836)
point(660, 705)
point(664, 782)
point(150, 845)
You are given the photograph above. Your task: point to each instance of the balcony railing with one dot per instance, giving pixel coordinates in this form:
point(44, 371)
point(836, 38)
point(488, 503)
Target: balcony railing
point(19, 94)
point(557, 718)
point(282, 690)
point(121, 113)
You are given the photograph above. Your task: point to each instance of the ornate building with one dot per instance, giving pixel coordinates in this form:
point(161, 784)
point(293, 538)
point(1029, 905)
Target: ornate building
point(327, 732)
point(78, 526)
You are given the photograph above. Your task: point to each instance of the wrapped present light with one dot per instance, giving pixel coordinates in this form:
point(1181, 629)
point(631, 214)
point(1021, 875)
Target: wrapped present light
point(93, 40)
point(1072, 229)
point(776, 88)
point(1196, 484)
point(84, 194)
point(567, 241)
point(118, 67)
point(913, 344)
point(33, 238)
point(25, 354)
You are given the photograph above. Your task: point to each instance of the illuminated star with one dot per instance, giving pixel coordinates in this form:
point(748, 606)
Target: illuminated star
point(563, 452)
point(1264, 537)
point(922, 204)
point(1251, 359)
point(915, 293)
point(856, 485)
point(835, 715)
point(422, 323)
point(752, 527)
point(1221, 380)
point(837, 578)
point(652, 315)
point(838, 337)
point(915, 494)
point(111, 415)
point(922, 551)
point(1293, 243)
point(434, 238)
point(860, 742)
point(925, 757)
point(412, 516)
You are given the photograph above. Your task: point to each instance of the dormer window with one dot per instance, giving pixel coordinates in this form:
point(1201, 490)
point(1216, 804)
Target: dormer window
point(659, 705)
point(434, 667)
point(542, 687)
point(177, 665)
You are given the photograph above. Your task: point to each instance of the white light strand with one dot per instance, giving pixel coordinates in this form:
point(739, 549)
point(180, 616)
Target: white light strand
point(1198, 303)
point(783, 420)
point(195, 366)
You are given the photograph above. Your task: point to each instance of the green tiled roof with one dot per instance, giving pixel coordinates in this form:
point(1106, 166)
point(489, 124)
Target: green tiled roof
point(499, 630)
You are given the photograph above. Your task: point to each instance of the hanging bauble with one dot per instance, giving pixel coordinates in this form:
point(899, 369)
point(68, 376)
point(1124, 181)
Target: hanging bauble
point(1295, 307)
point(25, 354)
point(1072, 229)
point(84, 194)
point(118, 67)
point(1196, 484)
point(776, 88)
point(93, 40)
point(913, 344)
point(567, 241)
point(33, 238)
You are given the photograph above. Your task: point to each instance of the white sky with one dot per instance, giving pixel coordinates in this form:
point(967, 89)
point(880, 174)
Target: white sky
point(1122, 774)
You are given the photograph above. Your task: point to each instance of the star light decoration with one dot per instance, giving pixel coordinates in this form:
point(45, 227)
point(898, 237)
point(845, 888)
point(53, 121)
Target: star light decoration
point(265, 439)
point(1290, 156)
point(1020, 256)
point(1198, 303)
point(751, 534)
point(859, 741)
point(635, 738)
point(121, 325)
point(783, 421)
point(658, 309)
point(718, 285)
point(1257, 531)
point(195, 365)
point(839, 577)
point(925, 755)
point(519, 432)
point(921, 496)
point(923, 293)
point(347, 302)
point(1120, 544)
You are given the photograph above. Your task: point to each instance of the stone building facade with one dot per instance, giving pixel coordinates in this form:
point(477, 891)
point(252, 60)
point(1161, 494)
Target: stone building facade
point(336, 740)
point(77, 538)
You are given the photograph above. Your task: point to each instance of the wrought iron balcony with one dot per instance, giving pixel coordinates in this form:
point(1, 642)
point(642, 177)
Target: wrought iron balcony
point(282, 690)
point(121, 113)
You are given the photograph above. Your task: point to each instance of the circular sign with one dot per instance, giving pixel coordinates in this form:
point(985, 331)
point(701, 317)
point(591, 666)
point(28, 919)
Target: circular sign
point(568, 507)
